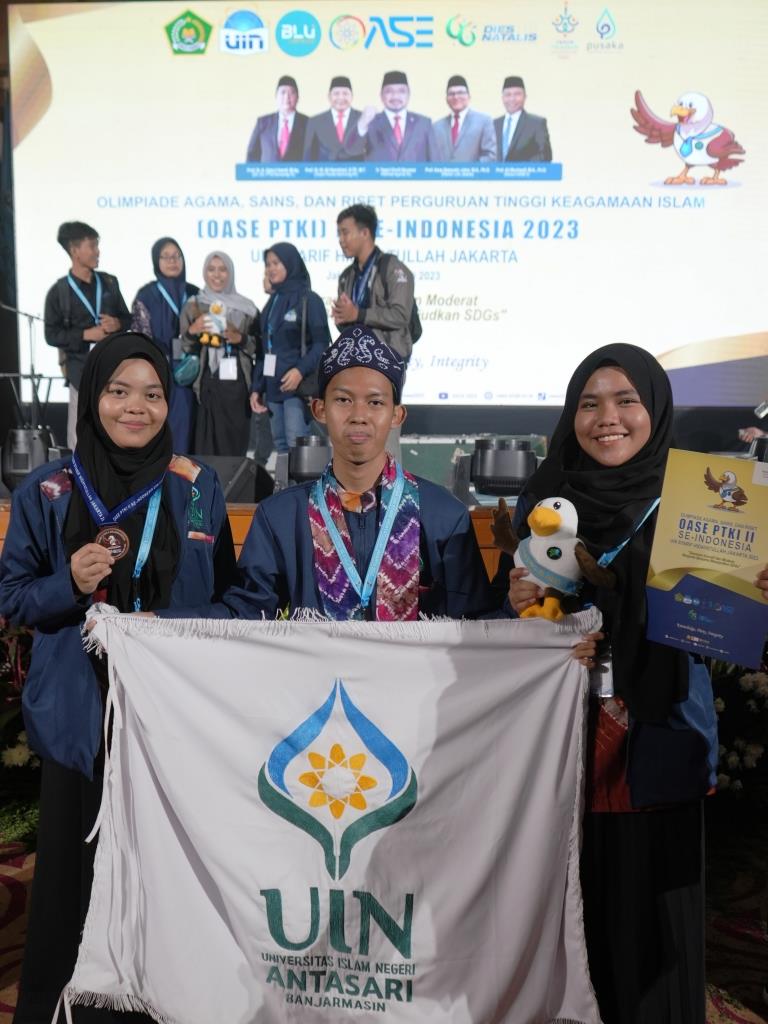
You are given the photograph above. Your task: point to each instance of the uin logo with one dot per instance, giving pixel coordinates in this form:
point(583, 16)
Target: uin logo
point(565, 23)
point(243, 33)
point(338, 784)
point(461, 30)
point(396, 31)
point(605, 26)
point(188, 34)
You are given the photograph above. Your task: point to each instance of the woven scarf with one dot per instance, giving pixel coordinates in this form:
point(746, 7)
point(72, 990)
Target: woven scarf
point(397, 586)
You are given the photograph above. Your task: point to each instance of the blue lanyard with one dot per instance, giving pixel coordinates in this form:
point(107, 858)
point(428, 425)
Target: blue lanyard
point(98, 509)
point(360, 287)
point(79, 293)
point(608, 557)
point(364, 590)
point(164, 292)
point(146, 540)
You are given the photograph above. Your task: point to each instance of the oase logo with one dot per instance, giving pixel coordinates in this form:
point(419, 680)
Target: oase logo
point(298, 33)
point(243, 34)
point(397, 31)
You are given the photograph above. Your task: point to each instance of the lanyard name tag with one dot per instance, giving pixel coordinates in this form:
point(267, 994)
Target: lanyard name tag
point(228, 368)
point(270, 364)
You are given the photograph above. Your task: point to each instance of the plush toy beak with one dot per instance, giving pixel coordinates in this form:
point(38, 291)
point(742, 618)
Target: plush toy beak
point(544, 521)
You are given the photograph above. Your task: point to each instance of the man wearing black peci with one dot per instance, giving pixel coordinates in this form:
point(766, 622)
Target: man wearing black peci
point(330, 134)
point(279, 137)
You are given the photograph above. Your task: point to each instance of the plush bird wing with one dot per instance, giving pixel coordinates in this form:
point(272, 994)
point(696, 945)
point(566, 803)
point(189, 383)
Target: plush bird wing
point(711, 482)
point(592, 570)
point(504, 536)
point(739, 497)
point(648, 124)
point(725, 147)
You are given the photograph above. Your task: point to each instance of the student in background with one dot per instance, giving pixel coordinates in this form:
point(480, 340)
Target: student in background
point(81, 309)
point(293, 313)
point(220, 326)
point(155, 311)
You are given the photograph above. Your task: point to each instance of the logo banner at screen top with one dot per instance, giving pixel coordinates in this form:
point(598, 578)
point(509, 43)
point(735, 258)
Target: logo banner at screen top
point(332, 821)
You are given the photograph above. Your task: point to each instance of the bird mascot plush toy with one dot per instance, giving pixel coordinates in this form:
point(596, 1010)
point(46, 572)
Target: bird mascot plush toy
point(553, 555)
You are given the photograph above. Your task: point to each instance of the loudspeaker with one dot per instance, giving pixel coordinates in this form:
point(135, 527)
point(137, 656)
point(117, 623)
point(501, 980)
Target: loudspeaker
point(25, 449)
point(241, 479)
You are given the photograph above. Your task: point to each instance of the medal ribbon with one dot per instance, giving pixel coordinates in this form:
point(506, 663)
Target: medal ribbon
point(146, 543)
point(364, 589)
point(99, 511)
point(95, 313)
point(164, 292)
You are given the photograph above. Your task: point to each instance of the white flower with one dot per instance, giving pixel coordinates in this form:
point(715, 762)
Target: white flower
point(723, 781)
point(15, 757)
point(732, 760)
point(719, 705)
point(737, 784)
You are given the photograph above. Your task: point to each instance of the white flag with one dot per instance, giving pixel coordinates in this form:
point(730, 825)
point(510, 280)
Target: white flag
point(332, 822)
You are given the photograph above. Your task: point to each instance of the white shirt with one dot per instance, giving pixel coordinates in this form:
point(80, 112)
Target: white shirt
point(392, 114)
point(509, 127)
point(344, 117)
point(290, 118)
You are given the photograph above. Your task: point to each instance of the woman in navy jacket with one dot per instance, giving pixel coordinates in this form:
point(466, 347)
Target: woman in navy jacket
point(62, 554)
point(293, 311)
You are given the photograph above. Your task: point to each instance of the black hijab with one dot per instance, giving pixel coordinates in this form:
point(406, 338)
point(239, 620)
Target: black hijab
point(116, 473)
point(610, 502)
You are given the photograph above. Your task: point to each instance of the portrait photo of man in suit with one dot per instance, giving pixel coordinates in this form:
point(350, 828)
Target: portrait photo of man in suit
point(465, 134)
point(395, 134)
point(279, 137)
point(333, 134)
point(521, 137)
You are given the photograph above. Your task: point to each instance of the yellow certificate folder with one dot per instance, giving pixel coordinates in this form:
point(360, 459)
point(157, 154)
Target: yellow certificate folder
point(711, 541)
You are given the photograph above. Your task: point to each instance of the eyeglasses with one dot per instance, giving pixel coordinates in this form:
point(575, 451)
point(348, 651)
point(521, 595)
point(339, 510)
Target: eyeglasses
point(173, 258)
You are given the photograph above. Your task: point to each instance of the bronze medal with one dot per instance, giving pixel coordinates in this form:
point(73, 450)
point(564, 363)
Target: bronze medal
point(115, 540)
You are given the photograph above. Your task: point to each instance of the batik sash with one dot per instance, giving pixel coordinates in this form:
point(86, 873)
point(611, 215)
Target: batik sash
point(396, 595)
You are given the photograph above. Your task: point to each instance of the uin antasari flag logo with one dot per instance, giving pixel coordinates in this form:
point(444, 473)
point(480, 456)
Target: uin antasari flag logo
point(350, 778)
point(329, 822)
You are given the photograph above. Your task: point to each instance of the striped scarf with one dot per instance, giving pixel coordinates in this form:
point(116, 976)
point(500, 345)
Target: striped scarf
point(397, 586)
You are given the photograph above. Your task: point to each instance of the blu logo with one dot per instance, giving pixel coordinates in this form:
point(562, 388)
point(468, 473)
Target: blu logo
point(298, 33)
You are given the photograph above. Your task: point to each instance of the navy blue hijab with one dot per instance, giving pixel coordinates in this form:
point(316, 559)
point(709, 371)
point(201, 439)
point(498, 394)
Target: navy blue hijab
point(289, 292)
point(163, 322)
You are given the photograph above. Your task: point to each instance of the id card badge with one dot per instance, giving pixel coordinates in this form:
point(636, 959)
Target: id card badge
point(601, 676)
point(270, 364)
point(228, 368)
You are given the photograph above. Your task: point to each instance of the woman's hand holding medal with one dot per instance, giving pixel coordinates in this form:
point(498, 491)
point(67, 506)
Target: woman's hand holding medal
point(89, 565)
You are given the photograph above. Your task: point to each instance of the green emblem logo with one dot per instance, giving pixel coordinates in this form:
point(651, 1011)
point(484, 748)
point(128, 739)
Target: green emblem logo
point(188, 33)
point(338, 778)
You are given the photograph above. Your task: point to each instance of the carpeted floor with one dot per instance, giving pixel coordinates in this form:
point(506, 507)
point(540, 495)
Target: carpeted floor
point(737, 884)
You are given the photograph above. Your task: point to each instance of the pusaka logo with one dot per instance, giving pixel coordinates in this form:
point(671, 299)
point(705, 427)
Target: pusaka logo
point(243, 33)
point(338, 778)
point(396, 31)
point(298, 33)
point(188, 34)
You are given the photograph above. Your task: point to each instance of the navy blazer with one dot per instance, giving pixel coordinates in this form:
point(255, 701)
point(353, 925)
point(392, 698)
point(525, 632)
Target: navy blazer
point(61, 699)
point(277, 560)
point(416, 148)
point(262, 146)
point(529, 142)
point(322, 143)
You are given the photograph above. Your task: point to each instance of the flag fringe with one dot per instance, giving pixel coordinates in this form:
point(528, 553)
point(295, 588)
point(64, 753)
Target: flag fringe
point(122, 1003)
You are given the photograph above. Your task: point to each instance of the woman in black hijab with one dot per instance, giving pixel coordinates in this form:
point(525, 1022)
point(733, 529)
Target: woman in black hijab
point(127, 522)
point(653, 742)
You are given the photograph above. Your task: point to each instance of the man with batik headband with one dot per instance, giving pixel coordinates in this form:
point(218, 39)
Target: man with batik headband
point(367, 540)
